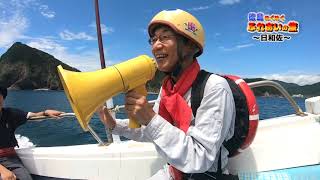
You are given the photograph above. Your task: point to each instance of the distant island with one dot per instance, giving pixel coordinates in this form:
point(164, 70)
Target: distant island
point(26, 68)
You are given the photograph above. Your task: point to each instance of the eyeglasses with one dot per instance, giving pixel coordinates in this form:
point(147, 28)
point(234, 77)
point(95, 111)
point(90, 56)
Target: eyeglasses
point(162, 38)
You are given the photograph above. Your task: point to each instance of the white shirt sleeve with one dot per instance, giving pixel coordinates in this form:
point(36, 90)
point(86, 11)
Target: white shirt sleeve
point(122, 129)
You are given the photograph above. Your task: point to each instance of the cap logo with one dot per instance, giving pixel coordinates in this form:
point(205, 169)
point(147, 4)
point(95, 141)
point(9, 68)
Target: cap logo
point(191, 27)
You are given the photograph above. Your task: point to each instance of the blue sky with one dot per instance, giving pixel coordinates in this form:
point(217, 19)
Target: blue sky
point(66, 29)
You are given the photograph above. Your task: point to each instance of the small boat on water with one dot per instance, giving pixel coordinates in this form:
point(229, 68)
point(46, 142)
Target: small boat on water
point(284, 148)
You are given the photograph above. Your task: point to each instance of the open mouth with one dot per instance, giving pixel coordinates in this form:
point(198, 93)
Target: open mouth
point(160, 57)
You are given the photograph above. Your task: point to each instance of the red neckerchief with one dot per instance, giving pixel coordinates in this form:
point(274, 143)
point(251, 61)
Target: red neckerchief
point(173, 107)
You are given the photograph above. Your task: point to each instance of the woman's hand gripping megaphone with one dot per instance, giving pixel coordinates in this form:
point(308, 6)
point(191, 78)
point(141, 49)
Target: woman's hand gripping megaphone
point(137, 107)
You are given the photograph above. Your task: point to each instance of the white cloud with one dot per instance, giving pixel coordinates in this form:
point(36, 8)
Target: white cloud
point(104, 28)
point(244, 46)
point(68, 35)
point(21, 4)
point(46, 12)
point(199, 8)
point(11, 29)
point(228, 2)
point(47, 45)
point(300, 79)
point(237, 47)
point(13, 20)
point(84, 60)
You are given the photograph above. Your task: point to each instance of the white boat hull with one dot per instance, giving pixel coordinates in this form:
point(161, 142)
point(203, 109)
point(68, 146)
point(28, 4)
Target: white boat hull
point(128, 160)
point(285, 142)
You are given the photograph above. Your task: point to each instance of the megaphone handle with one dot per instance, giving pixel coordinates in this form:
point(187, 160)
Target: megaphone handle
point(133, 123)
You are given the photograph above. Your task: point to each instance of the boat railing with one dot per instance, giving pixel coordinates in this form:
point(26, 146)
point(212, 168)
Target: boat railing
point(284, 92)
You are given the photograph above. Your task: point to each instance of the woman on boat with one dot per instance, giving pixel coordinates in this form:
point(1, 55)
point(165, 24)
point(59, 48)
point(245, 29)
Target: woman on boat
point(191, 145)
point(11, 167)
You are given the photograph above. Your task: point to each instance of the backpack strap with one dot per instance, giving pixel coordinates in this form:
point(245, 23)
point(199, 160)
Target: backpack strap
point(198, 90)
point(196, 97)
